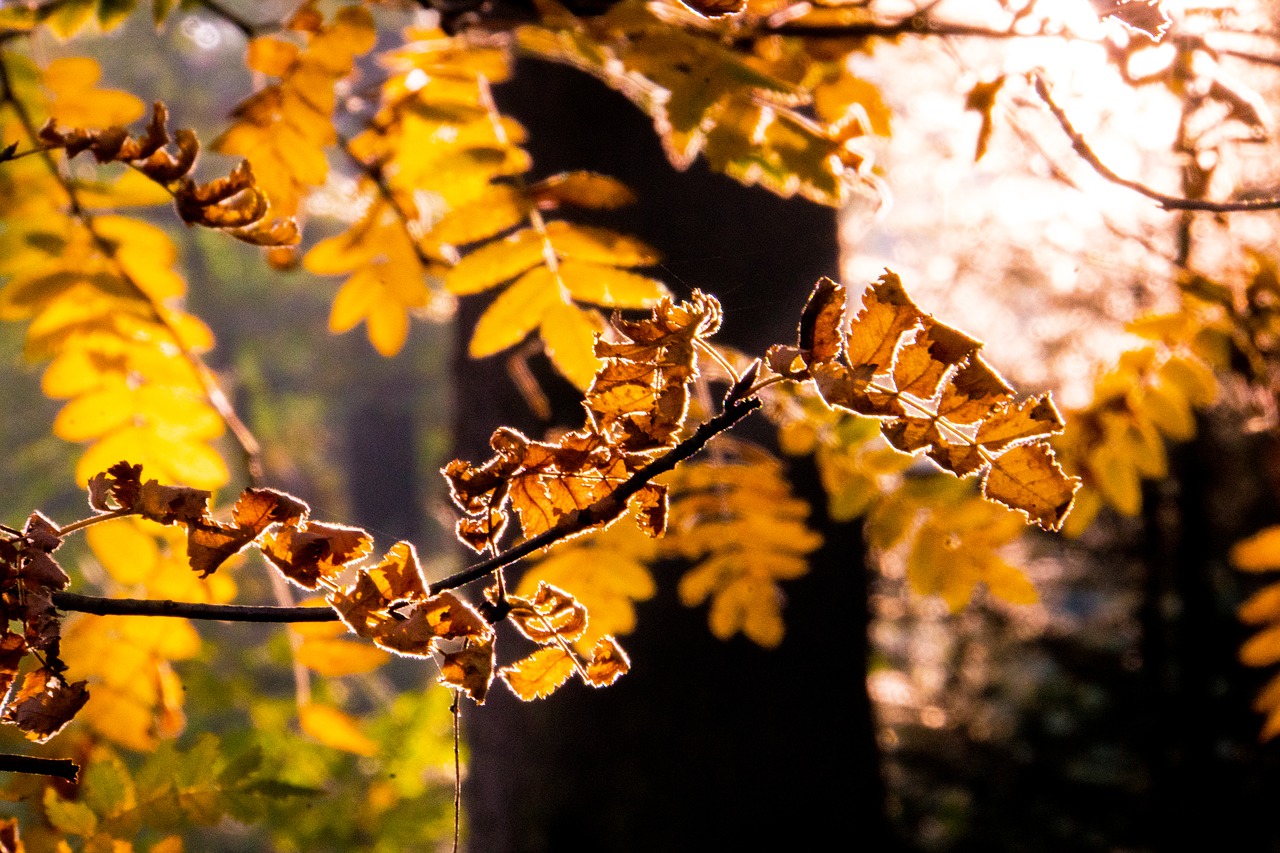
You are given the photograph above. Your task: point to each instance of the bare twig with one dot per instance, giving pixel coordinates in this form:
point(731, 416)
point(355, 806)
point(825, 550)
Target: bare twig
point(62, 768)
point(1167, 202)
point(189, 609)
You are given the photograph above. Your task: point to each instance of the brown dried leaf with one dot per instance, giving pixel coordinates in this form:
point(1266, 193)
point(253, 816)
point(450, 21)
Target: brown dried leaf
point(470, 669)
point(172, 504)
point(911, 434)
point(608, 663)
point(973, 392)
point(822, 321)
point(117, 488)
point(550, 614)
point(649, 505)
point(12, 647)
point(540, 674)
point(1034, 417)
point(1028, 478)
point(886, 314)
point(45, 704)
point(960, 459)
point(305, 555)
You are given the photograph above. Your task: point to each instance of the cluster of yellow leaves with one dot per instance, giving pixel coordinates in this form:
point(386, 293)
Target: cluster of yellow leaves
point(102, 299)
point(1148, 398)
point(443, 177)
point(1261, 553)
point(736, 519)
point(950, 541)
point(933, 392)
point(284, 128)
point(743, 108)
point(104, 304)
point(66, 18)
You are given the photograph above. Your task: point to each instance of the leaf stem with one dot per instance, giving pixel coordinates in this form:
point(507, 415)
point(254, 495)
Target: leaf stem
point(94, 519)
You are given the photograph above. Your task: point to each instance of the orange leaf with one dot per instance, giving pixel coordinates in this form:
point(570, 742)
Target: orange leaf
point(1028, 478)
point(335, 729)
point(550, 614)
point(608, 663)
point(540, 674)
point(470, 669)
point(306, 555)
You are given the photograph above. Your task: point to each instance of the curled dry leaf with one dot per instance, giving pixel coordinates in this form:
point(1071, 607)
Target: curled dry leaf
point(550, 615)
point(45, 704)
point(608, 663)
point(233, 204)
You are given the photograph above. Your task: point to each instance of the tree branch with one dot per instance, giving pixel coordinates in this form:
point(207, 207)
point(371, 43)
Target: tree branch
point(62, 768)
point(607, 507)
point(189, 610)
point(1167, 202)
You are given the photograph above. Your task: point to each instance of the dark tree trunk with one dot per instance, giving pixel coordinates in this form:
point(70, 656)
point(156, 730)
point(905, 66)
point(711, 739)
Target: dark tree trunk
point(705, 743)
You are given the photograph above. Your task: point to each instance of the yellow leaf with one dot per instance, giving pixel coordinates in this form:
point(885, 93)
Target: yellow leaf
point(335, 729)
point(597, 245)
point(1262, 607)
point(517, 311)
point(496, 262)
point(77, 102)
point(271, 56)
point(1262, 649)
point(569, 333)
point(540, 674)
point(337, 657)
point(1258, 553)
point(609, 286)
point(128, 553)
point(1009, 583)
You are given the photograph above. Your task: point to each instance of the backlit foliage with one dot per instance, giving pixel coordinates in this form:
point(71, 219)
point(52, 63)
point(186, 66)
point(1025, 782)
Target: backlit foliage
point(445, 208)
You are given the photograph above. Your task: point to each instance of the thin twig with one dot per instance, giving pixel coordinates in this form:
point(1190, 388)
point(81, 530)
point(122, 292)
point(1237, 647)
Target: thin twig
point(1167, 202)
point(100, 606)
point(213, 391)
point(62, 768)
point(456, 708)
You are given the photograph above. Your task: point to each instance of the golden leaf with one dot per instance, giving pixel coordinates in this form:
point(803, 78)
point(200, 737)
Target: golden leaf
point(1259, 552)
point(540, 674)
point(335, 729)
point(1028, 478)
